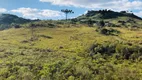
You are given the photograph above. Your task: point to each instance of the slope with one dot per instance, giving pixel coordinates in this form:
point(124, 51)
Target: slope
point(111, 18)
point(7, 19)
point(70, 54)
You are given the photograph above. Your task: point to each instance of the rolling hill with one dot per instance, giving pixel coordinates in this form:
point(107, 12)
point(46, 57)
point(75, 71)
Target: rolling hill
point(7, 19)
point(111, 18)
point(108, 14)
point(53, 51)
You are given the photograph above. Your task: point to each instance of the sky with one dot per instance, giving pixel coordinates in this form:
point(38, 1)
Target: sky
point(51, 9)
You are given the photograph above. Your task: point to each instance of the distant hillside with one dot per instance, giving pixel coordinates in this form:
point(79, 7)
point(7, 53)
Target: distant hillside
point(7, 19)
point(122, 18)
point(108, 14)
point(91, 18)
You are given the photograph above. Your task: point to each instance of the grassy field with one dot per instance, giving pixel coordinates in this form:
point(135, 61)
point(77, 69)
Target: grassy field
point(63, 54)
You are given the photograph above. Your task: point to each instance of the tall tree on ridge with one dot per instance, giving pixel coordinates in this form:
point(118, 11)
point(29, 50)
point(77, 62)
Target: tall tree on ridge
point(66, 11)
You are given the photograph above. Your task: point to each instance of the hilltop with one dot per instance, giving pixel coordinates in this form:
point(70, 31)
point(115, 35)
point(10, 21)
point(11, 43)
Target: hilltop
point(91, 18)
point(108, 14)
point(111, 18)
point(7, 19)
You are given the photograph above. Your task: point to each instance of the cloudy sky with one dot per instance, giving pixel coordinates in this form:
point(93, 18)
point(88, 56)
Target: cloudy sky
point(51, 9)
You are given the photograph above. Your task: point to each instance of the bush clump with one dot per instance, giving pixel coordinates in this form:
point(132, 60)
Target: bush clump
point(108, 31)
point(125, 51)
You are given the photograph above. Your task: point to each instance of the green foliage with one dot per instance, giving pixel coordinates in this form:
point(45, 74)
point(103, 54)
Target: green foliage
point(125, 51)
point(70, 54)
point(108, 31)
point(101, 23)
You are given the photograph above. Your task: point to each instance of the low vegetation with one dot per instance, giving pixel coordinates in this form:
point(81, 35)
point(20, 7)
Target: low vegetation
point(70, 54)
point(99, 45)
point(108, 31)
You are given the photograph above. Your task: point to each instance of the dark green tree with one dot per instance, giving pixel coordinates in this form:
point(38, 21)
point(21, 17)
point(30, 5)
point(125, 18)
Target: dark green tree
point(66, 11)
point(90, 22)
point(32, 28)
point(101, 23)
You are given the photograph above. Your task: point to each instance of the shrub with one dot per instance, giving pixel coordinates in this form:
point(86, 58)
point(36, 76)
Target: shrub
point(108, 31)
point(125, 51)
point(51, 25)
point(101, 23)
point(17, 26)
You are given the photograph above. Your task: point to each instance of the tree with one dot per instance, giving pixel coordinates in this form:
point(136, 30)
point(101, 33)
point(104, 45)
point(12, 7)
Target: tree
point(14, 25)
point(90, 22)
point(32, 26)
point(66, 11)
point(101, 23)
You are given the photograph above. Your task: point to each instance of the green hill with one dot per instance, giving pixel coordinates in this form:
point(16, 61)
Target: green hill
point(7, 19)
point(111, 18)
point(59, 50)
point(108, 14)
point(91, 18)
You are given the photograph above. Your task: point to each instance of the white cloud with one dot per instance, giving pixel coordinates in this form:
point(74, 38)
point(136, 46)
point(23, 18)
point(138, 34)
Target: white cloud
point(34, 13)
point(99, 4)
point(50, 13)
point(3, 10)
